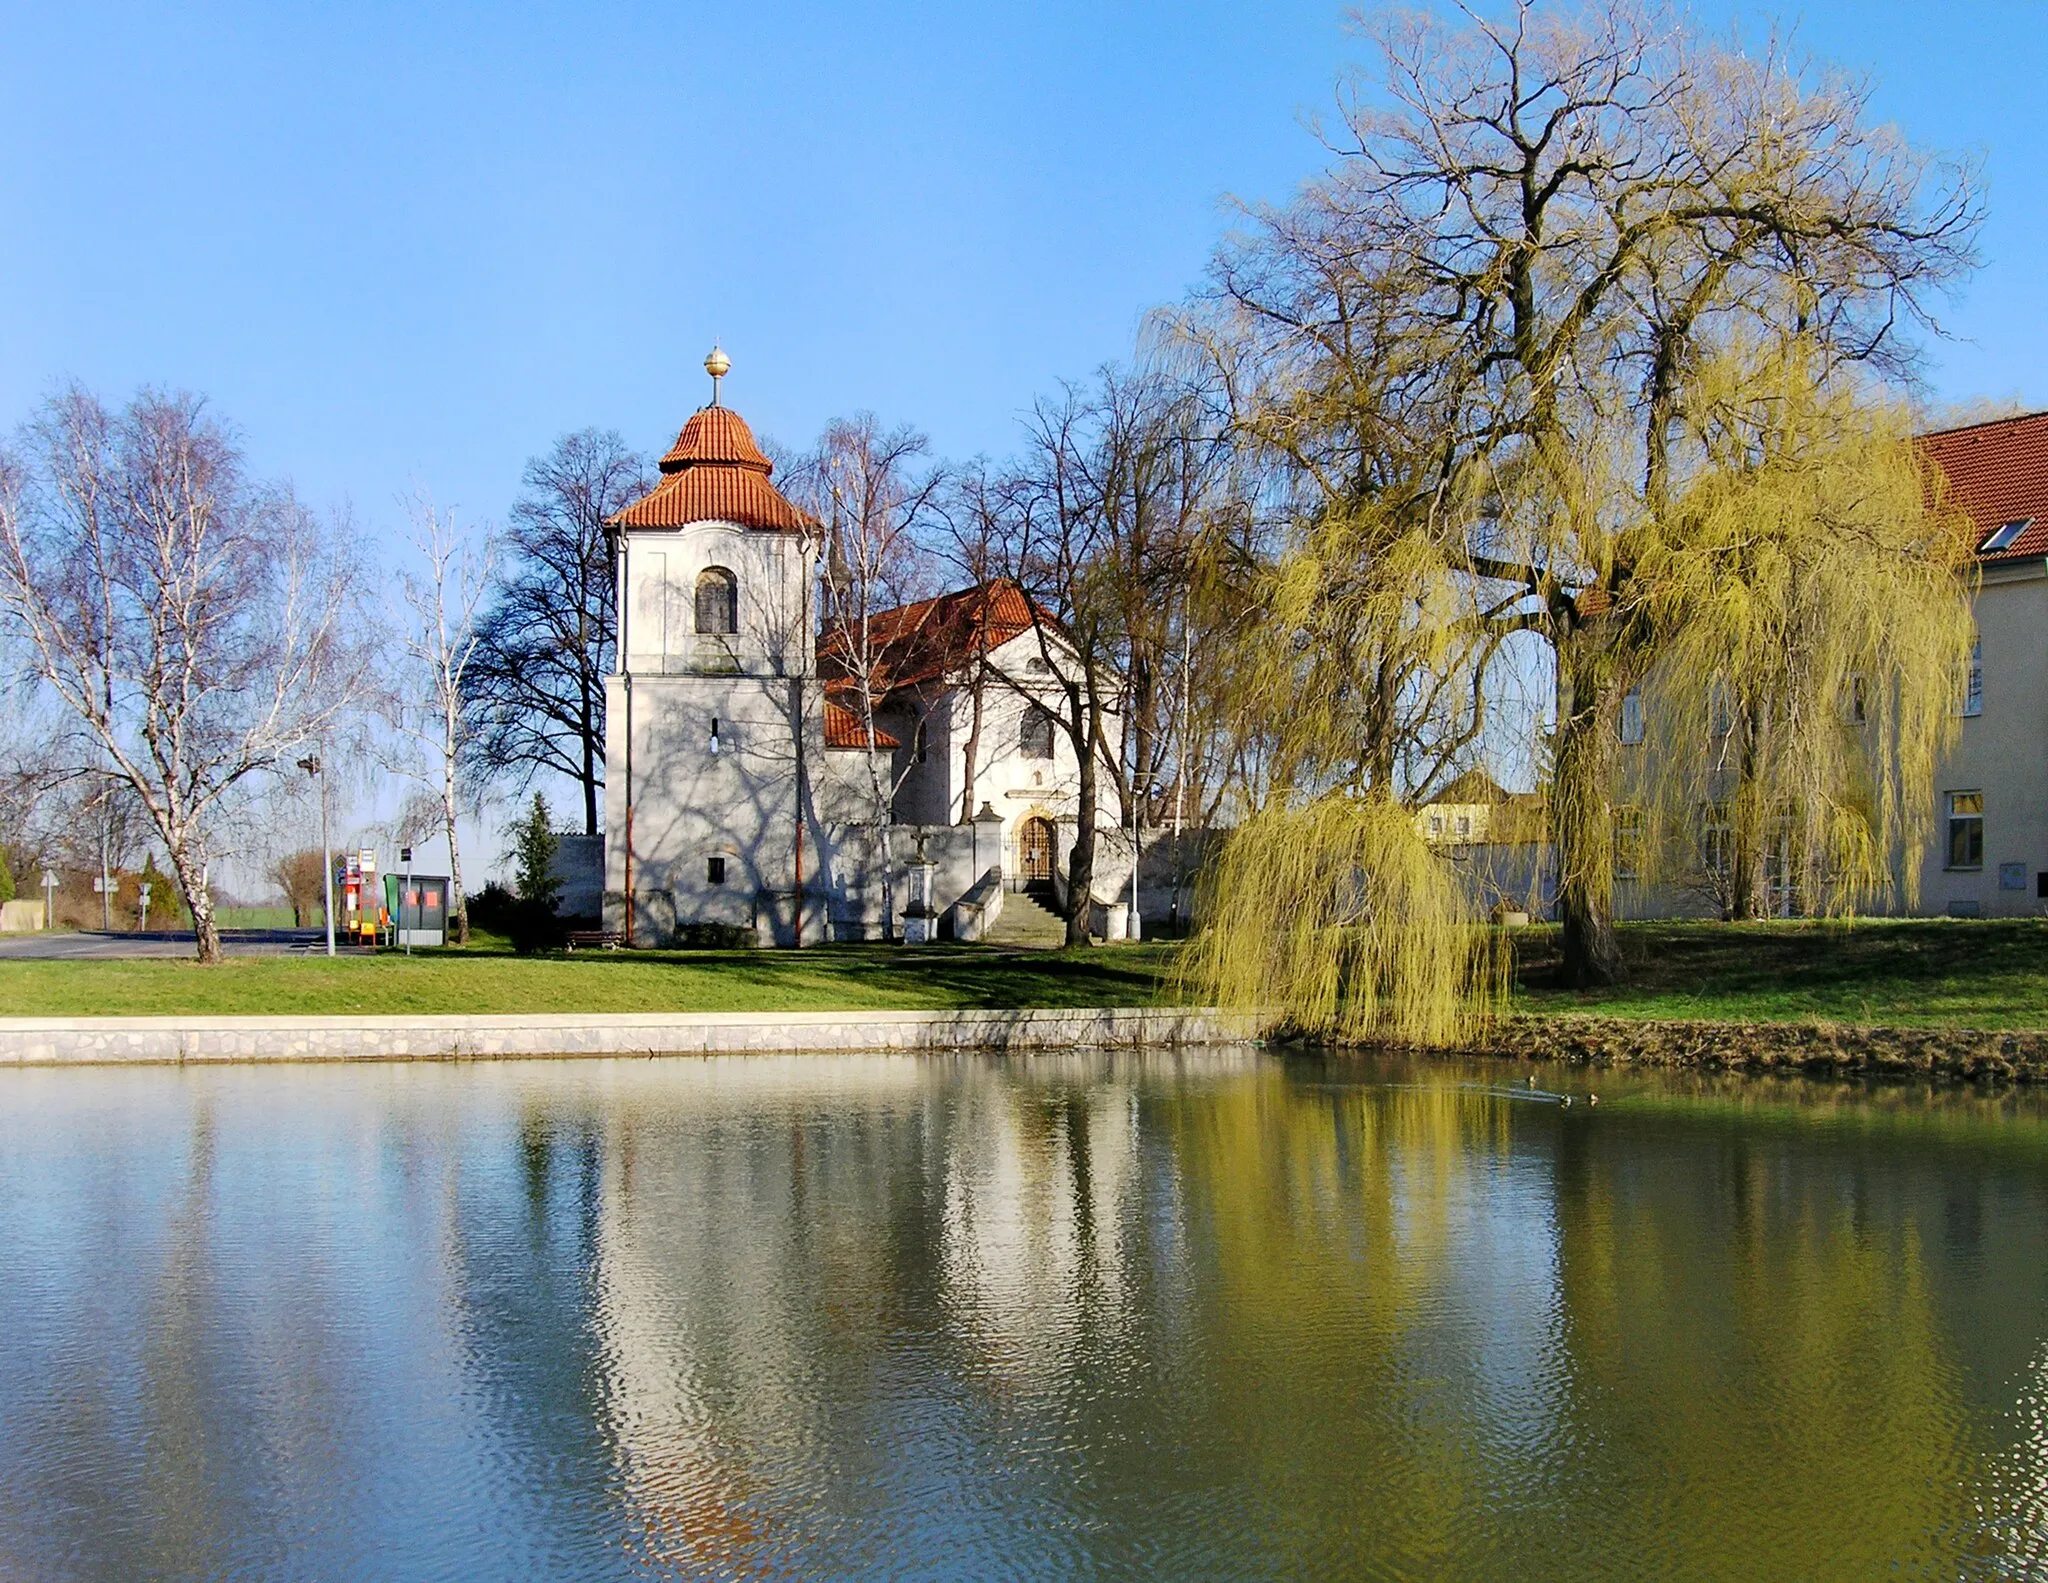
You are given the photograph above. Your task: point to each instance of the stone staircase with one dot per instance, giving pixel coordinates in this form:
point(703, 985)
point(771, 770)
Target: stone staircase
point(1028, 923)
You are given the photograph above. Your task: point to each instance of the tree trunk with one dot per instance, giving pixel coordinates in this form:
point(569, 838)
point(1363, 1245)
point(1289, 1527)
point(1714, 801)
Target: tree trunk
point(458, 900)
point(1582, 813)
point(973, 751)
point(192, 887)
point(1081, 861)
point(589, 772)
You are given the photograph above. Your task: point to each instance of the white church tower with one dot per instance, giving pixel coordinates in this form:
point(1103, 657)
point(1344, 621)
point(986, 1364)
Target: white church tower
point(714, 720)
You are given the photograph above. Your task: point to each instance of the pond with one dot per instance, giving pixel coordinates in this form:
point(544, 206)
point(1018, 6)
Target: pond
point(1202, 1316)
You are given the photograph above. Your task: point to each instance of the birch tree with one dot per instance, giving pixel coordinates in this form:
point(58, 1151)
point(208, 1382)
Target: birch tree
point(193, 627)
point(445, 595)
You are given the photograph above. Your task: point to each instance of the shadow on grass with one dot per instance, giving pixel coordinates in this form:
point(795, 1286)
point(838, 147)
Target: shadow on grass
point(981, 977)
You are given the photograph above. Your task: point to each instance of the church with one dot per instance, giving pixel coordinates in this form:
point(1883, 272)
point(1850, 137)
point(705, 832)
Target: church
point(740, 785)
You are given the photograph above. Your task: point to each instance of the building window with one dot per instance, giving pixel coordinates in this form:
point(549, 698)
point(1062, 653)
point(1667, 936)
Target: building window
point(714, 871)
point(1034, 732)
point(1436, 825)
point(1973, 683)
point(2003, 536)
point(1966, 829)
point(1717, 842)
point(718, 602)
point(1630, 726)
point(1856, 705)
point(1628, 843)
point(923, 744)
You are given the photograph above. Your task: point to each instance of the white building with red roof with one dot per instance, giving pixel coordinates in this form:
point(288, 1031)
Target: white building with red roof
point(1989, 857)
point(738, 791)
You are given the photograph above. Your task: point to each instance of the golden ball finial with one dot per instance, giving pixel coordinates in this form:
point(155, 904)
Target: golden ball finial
point(717, 365)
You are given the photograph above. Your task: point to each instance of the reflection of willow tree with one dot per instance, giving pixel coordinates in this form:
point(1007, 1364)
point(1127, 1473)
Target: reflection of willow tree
point(1738, 1318)
point(1329, 1219)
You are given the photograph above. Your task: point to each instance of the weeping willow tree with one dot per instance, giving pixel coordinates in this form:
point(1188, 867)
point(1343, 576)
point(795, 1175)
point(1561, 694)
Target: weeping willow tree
point(1337, 915)
point(1812, 599)
point(1542, 231)
point(1367, 665)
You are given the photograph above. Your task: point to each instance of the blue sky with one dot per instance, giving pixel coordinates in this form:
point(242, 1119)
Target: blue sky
point(404, 242)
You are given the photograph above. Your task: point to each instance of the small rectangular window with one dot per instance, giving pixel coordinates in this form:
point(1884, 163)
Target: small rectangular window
point(1966, 829)
point(1628, 843)
point(2041, 884)
point(2005, 535)
point(715, 871)
point(2012, 876)
point(1856, 706)
point(1973, 683)
point(1630, 727)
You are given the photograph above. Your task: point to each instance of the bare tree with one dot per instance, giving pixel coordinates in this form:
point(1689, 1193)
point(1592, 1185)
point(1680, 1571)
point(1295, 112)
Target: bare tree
point(873, 493)
point(977, 511)
point(193, 627)
point(534, 689)
point(426, 701)
point(297, 875)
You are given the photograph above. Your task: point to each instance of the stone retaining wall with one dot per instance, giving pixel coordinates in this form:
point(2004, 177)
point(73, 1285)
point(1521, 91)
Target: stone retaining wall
point(1827, 1048)
point(85, 1041)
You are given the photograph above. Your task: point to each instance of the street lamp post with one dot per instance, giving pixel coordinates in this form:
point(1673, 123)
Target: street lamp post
point(311, 765)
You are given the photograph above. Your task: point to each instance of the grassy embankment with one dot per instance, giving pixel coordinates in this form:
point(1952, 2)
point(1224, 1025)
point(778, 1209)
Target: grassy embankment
point(1938, 973)
point(1909, 973)
point(488, 978)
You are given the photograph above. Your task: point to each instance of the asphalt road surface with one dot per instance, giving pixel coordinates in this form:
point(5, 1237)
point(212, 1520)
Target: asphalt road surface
point(64, 945)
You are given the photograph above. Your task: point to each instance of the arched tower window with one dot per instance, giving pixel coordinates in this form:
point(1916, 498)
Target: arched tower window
point(718, 601)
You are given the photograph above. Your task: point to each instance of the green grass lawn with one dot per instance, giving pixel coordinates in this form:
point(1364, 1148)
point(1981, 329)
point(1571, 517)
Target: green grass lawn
point(1940, 972)
point(1932, 973)
point(488, 978)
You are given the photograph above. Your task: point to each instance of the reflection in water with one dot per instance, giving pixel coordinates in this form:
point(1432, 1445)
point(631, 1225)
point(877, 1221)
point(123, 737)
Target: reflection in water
point(1166, 1315)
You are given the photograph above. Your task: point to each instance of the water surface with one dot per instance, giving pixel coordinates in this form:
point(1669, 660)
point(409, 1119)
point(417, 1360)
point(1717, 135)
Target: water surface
point(1207, 1316)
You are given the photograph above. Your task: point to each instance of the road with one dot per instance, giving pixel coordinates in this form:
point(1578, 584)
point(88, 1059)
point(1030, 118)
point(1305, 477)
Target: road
point(65, 945)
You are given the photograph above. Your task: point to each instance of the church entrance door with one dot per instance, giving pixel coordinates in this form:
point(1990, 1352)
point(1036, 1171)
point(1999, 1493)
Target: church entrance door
point(1034, 842)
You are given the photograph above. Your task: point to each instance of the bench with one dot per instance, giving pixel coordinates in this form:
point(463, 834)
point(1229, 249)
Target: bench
point(596, 939)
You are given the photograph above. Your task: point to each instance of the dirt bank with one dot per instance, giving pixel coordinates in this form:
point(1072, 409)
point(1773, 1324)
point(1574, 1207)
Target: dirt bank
point(1829, 1048)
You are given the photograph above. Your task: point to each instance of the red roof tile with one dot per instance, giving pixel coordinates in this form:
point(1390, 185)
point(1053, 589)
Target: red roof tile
point(842, 726)
point(715, 472)
point(933, 638)
point(1997, 473)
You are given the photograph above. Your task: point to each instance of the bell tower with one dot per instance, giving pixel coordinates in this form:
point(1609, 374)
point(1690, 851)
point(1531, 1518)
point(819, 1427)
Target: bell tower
point(711, 714)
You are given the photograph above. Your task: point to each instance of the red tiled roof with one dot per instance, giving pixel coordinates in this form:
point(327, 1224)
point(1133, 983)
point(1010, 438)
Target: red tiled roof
point(1997, 473)
point(842, 726)
point(933, 638)
point(715, 472)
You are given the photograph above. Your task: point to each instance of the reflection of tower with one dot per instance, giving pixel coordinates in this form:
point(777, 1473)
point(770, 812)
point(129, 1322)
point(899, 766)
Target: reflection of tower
point(753, 1264)
point(708, 725)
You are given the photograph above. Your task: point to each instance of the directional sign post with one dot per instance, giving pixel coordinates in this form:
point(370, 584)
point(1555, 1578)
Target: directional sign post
point(145, 909)
point(49, 899)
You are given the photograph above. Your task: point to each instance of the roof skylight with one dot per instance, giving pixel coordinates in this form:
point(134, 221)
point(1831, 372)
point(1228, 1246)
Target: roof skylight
point(2004, 534)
